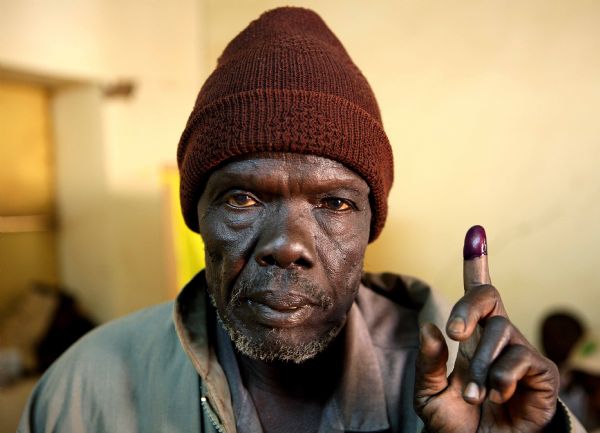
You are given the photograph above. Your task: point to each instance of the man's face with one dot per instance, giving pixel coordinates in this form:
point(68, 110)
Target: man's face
point(285, 236)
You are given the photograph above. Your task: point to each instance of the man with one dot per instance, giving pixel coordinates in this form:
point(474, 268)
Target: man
point(285, 172)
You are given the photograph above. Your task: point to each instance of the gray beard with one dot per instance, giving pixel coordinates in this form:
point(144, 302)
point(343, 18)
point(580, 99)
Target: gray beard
point(272, 347)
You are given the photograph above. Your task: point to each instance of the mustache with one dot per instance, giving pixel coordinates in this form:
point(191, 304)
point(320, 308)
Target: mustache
point(284, 284)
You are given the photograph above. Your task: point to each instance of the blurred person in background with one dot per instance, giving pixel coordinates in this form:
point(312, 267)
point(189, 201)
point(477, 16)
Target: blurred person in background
point(559, 333)
point(567, 341)
point(583, 390)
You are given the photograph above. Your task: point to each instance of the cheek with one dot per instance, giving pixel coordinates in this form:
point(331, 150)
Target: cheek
point(347, 233)
point(342, 248)
point(347, 227)
point(227, 247)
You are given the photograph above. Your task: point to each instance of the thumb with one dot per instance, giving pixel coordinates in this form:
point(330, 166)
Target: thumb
point(431, 376)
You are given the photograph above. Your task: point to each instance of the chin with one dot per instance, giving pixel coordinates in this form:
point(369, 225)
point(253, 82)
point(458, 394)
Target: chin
point(278, 344)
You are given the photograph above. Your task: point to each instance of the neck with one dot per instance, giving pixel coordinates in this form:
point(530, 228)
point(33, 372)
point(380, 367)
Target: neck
point(313, 379)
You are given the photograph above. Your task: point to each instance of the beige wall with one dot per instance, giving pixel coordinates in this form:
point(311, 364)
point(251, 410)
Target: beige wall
point(492, 110)
point(110, 150)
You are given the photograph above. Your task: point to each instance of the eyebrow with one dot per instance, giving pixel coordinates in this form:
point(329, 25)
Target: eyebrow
point(227, 180)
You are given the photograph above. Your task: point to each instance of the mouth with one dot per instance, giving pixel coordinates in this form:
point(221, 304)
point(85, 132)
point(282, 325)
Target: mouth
point(279, 311)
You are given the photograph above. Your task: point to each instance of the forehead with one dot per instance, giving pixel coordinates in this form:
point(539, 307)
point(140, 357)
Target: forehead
point(289, 169)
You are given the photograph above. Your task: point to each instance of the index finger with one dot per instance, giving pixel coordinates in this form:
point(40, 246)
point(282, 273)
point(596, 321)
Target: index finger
point(475, 266)
point(475, 304)
point(481, 299)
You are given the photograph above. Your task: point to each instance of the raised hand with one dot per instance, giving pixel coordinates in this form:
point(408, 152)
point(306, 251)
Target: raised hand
point(500, 382)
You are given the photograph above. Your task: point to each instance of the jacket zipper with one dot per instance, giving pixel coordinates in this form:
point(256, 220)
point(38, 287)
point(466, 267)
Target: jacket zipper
point(212, 416)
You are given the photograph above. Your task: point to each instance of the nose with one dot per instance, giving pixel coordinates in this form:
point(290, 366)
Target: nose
point(287, 242)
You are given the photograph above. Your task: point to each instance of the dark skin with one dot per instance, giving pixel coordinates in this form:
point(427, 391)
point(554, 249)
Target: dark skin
point(271, 222)
point(266, 219)
point(284, 391)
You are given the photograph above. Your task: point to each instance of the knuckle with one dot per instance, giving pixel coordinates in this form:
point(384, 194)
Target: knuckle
point(553, 368)
point(485, 294)
point(554, 375)
point(499, 322)
point(486, 290)
point(492, 294)
point(501, 379)
point(491, 289)
point(520, 352)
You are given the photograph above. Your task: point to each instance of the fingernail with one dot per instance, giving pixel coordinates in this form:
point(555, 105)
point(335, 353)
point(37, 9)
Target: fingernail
point(471, 392)
point(457, 325)
point(475, 243)
point(495, 396)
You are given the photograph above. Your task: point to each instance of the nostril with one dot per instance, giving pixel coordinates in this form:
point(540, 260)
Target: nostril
point(303, 263)
point(267, 260)
point(271, 260)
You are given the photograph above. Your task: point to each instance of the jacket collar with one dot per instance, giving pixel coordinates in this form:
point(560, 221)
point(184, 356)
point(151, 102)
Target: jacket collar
point(191, 323)
point(358, 403)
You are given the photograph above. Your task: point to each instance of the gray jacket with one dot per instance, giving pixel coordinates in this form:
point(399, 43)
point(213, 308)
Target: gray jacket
point(156, 370)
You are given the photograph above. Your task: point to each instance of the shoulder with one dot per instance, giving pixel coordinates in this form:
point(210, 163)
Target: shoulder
point(394, 306)
point(390, 305)
point(144, 322)
point(395, 291)
point(403, 290)
point(108, 372)
point(119, 344)
point(130, 335)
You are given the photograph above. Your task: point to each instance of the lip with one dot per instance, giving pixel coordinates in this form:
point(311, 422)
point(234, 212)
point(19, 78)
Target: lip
point(278, 311)
point(280, 301)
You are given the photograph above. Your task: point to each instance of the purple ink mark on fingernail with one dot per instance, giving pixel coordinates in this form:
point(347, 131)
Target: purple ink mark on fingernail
point(475, 243)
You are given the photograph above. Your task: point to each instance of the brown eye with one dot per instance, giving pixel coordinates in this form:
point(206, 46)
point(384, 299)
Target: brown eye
point(241, 200)
point(337, 204)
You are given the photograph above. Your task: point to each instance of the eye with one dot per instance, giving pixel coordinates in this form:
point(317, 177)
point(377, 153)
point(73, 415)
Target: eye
point(241, 200)
point(337, 204)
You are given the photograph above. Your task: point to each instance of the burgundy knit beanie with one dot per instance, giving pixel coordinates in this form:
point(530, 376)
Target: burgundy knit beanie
point(286, 84)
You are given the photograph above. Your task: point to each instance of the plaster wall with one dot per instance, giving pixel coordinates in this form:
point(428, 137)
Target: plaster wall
point(492, 110)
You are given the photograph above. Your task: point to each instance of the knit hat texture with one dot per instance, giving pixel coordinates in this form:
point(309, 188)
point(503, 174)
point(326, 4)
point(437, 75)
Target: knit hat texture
point(286, 84)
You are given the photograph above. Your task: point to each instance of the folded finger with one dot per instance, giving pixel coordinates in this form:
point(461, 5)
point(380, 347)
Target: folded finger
point(507, 371)
point(495, 337)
